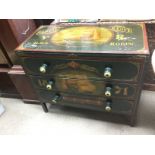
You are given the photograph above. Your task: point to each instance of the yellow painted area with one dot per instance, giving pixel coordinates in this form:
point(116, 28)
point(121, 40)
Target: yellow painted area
point(84, 34)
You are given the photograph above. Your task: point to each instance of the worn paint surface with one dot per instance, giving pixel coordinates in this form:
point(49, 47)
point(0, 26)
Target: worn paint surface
point(108, 37)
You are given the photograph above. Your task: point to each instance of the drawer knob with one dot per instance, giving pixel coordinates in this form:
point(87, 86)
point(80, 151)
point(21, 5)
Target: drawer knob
point(43, 68)
point(108, 91)
point(107, 72)
point(49, 86)
point(56, 98)
point(108, 106)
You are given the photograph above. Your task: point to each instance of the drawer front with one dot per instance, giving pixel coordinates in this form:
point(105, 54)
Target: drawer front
point(117, 69)
point(86, 87)
point(117, 106)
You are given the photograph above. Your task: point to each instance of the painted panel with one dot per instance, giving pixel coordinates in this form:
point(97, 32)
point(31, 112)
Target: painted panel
point(63, 68)
point(82, 38)
point(86, 87)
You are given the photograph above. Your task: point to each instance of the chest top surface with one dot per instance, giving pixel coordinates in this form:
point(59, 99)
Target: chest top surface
point(89, 38)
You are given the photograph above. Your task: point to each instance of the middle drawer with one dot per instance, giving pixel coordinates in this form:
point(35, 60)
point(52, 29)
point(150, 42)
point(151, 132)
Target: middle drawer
point(86, 87)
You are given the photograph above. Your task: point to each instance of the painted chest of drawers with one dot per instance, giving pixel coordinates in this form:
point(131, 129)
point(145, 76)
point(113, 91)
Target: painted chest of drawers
point(98, 67)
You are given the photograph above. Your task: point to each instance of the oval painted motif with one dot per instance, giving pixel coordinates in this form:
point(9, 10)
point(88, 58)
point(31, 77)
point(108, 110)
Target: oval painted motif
point(90, 35)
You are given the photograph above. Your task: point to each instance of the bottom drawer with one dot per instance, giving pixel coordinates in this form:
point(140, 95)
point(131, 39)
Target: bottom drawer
point(95, 103)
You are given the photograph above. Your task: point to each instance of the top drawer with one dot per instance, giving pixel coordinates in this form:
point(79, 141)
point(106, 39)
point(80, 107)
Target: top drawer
point(102, 68)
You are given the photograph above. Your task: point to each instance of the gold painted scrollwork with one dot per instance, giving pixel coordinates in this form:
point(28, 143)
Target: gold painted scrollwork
point(74, 76)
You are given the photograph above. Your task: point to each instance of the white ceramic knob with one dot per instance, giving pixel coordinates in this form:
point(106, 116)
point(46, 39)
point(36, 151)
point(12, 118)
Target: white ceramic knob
point(108, 107)
point(43, 68)
point(107, 72)
point(49, 86)
point(108, 92)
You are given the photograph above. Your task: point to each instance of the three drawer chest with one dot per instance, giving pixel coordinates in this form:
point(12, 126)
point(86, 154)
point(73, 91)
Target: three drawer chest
point(93, 66)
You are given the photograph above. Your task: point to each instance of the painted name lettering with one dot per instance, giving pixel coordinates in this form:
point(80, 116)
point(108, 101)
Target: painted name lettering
point(121, 44)
point(124, 29)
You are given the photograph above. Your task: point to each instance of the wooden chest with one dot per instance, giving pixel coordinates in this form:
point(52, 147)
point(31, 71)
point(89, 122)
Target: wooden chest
point(98, 67)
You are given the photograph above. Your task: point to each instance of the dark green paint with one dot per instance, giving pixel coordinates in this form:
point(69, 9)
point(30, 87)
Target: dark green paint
point(127, 71)
point(136, 37)
point(118, 106)
point(118, 89)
